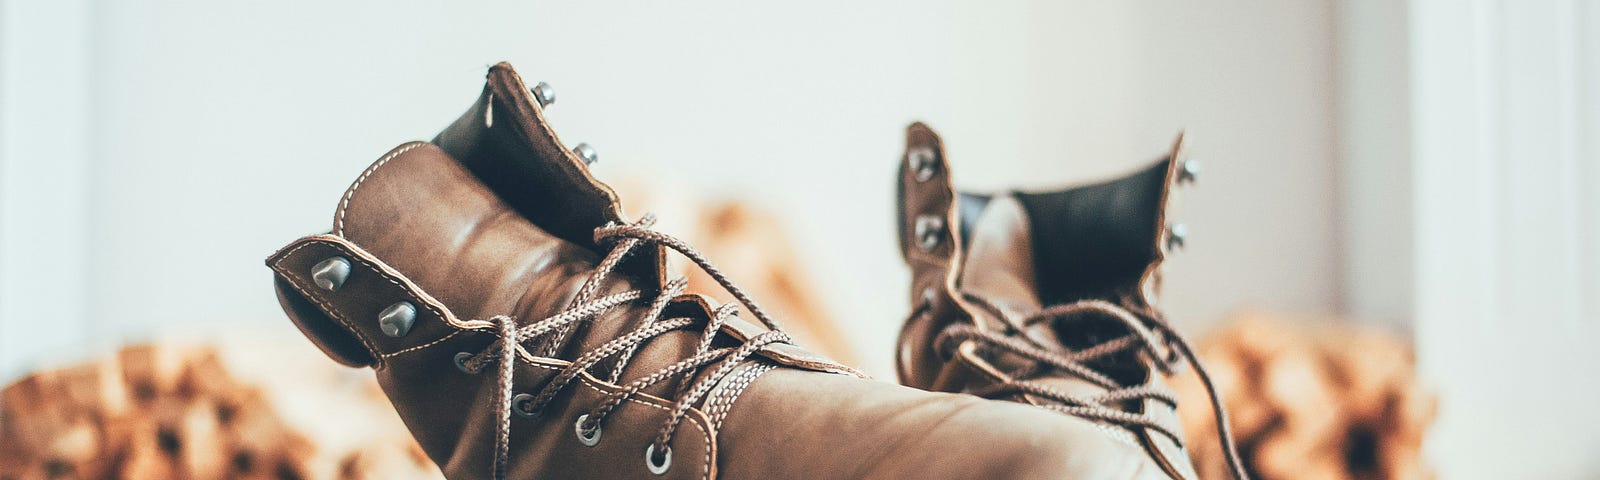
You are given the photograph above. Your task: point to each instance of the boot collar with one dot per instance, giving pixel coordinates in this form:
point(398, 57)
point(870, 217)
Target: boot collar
point(506, 141)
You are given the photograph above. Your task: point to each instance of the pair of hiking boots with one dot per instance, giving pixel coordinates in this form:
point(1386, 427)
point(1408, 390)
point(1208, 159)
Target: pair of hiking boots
point(524, 327)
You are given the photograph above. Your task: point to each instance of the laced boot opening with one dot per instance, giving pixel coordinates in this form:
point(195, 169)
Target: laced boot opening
point(714, 358)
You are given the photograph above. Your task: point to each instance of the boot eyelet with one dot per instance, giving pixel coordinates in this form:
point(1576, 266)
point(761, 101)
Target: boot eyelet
point(586, 153)
point(461, 364)
point(331, 274)
point(522, 405)
point(589, 439)
point(929, 230)
point(650, 460)
point(1177, 234)
point(1188, 171)
point(543, 94)
point(921, 161)
point(396, 321)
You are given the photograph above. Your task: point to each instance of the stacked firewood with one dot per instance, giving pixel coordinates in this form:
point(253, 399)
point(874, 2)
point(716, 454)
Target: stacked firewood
point(1310, 400)
point(182, 412)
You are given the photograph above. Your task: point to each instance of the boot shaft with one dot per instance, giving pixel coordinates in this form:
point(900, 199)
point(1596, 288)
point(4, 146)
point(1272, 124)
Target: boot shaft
point(990, 272)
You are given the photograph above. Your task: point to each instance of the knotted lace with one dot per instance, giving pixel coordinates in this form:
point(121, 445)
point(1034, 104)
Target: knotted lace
point(555, 331)
point(1148, 332)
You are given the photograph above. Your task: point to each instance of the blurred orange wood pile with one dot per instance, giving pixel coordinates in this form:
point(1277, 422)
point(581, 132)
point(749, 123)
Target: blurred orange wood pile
point(182, 412)
point(1317, 401)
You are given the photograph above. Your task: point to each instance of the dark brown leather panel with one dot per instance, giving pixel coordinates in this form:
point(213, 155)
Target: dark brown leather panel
point(505, 140)
point(495, 138)
point(1101, 237)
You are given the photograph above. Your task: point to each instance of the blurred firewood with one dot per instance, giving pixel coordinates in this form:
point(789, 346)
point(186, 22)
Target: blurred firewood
point(173, 411)
point(752, 248)
point(1322, 400)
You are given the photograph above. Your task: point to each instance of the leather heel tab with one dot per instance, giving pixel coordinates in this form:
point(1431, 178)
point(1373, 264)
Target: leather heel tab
point(342, 313)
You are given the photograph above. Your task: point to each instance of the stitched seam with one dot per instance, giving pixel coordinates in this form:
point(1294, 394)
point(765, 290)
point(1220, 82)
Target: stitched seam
point(345, 204)
point(425, 345)
point(730, 393)
point(705, 471)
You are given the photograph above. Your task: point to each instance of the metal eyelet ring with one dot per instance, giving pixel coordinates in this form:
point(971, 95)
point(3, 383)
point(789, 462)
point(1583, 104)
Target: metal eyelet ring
point(929, 231)
point(397, 319)
point(650, 459)
point(461, 364)
point(929, 297)
point(331, 274)
point(1188, 171)
point(592, 437)
point(586, 153)
point(1177, 235)
point(522, 404)
point(544, 94)
point(921, 161)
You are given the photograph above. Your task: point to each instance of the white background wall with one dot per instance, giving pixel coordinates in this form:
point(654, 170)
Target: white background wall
point(199, 136)
point(1470, 136)
point(1506, 149)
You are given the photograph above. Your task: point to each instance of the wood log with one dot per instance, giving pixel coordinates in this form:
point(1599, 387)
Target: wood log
point(1310, 399)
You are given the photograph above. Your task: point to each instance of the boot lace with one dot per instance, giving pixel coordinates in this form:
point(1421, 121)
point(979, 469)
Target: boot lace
point(1149, 332)
point(556, 330)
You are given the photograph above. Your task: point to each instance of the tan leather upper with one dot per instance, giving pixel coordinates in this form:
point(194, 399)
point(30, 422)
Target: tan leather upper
point(995, 267)
point(463, 240)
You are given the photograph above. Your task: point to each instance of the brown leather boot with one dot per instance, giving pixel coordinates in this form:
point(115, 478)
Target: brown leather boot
point(1048, 299)
point(522, 328)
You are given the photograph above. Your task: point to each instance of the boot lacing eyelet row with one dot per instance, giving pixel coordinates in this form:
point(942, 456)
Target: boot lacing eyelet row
point(554, 333)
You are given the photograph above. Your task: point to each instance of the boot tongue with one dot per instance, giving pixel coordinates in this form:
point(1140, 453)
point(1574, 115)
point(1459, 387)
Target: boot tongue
point(1105, 243)
point(1000, 253)
point(1001, 259)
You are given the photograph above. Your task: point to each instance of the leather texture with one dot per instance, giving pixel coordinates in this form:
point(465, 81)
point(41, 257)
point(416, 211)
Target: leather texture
point(1020, 252)
point(497, 219)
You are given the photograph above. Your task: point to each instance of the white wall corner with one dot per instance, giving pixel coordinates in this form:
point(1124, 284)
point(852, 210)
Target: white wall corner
point(1374, 151)
point(1505, 190)
point(45, 153)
